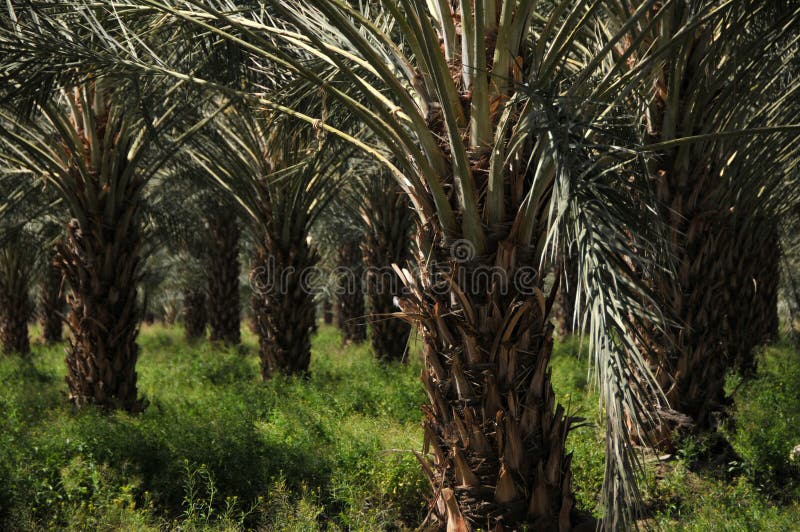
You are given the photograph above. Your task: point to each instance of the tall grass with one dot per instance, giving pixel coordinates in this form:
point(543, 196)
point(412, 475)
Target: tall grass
point(217, 449)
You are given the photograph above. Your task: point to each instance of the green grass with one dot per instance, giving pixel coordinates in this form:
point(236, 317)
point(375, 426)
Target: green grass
point(762, 491)
point(216, 448)
point(219, 450)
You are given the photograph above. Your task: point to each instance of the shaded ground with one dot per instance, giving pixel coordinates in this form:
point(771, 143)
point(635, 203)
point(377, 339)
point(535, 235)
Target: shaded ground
point(218, 449)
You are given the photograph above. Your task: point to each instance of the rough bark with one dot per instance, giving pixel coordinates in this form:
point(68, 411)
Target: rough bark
point(719, 301)
point(350, 293)
point(52, 305)
point(709, 217)
point(337, 314)
point(284, 308)
point(723, 303)
point(565, 298)
point(224, 310)
point(389, 220)
point(753, 317)
point(690, 358)
point(327, 312)
point(16, 259)
point(195, 314)
point(492, 425)
point(102, 264)
point(15, 310)
point(726, 298)
point(389, 335)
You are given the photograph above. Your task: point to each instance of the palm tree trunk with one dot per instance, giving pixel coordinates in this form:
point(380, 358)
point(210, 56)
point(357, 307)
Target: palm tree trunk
point(724, 304)
point(707, 213)
point(327, 312)
point(565, 299)
point(691, 362)
point(389, 220)
point(389, 335)
point(195, 315)
point(224, 311)
point(284, 309)
point(14, 313)
point(351, 293)
point(492, 424)
point(103, 269)
point(15, 305)
point(753, 317)
point(52, 305)
point(337, 314)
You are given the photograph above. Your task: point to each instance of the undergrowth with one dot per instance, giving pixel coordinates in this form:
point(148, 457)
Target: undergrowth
point(217, 449)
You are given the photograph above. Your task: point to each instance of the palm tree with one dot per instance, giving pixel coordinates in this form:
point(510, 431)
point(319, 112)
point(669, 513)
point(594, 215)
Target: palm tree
point(500, 175)
point(52, 303)
point(511, 154)
point(224, 316)
point(177, 214)
point(201, 223)
point(388, 222)
point(339, 236)
point(104, 312)
point(350, 291)
point(195, 315)
point(282, 183)
point(96, 153)
point(52, 293)
point(24, 238)
point(369, 232)
point(17, 257)
point(714, 191)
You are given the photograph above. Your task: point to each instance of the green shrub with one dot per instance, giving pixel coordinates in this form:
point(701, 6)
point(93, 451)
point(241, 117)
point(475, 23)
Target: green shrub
point(735, 507)
point(767, 424)
point(214, 443)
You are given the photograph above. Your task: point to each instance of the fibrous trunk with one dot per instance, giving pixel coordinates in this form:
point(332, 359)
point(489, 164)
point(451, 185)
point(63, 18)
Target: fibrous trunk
point(753, 316)
point(722, 302)
point(690, 362)
point(284, 308)
point(52, 305)
point(565, 299)
point(714, 301)
point(102, 265)
point(195, 315)
point(389, 335)
point(224, 311)
point(711, 220)
point(327, 311)
point(350, 293)
point(337, 314)
point(389, 219)
point(14, 313)
point(492, 426)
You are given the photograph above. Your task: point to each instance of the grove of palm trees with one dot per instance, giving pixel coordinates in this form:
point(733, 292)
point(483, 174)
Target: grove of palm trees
point(449, 265)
